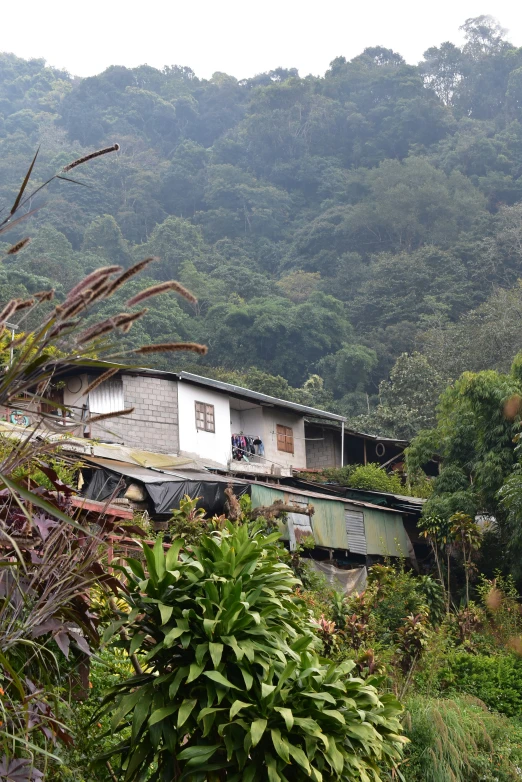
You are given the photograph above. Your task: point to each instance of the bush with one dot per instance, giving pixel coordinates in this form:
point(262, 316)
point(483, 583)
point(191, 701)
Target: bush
point(233, 683)
point(460, 740)
point(495, 679)
point(106, 670)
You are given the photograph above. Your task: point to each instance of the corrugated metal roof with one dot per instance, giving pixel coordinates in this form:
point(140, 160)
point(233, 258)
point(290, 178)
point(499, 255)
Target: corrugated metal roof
point(229, 388)
point(246, 393)
point(344, 500)
point(152, 475)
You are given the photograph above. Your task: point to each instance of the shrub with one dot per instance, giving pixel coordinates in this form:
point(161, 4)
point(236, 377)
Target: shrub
point(495, 679)
point(234, 688)
point(460, 740)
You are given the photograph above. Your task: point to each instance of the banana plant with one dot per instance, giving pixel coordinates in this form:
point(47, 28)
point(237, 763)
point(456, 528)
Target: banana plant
point(233, 687)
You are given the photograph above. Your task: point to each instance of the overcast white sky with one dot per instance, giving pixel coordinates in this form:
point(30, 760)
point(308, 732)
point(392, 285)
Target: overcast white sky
point(234, 36)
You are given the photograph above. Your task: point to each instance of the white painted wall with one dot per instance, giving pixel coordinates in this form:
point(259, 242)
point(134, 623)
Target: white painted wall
point(271, 418)
point(215, 446)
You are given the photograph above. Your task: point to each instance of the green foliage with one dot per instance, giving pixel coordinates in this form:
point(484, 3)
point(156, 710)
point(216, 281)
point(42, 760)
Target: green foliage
point(243, 694)
point(188, 521)
point(350, 219)
point(106, 670)
point(496, 679)
point(459, 739)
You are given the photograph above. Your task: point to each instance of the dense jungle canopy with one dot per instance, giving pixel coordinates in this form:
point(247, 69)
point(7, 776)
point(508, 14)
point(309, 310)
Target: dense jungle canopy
point(354, 240)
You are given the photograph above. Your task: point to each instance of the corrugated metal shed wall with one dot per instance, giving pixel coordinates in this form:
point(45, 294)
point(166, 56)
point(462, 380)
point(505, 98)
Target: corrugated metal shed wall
point(327, 522)
point(355, 531)
point(385, 533)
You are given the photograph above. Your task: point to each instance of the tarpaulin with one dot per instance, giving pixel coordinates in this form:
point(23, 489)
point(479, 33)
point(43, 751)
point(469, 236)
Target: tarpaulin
point(346, 581)
point(166, 496)
point(165, 491)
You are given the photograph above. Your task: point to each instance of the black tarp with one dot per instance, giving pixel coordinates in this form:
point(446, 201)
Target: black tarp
point(166, 495)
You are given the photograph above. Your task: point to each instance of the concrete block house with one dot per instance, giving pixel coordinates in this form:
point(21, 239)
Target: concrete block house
point(223, 425)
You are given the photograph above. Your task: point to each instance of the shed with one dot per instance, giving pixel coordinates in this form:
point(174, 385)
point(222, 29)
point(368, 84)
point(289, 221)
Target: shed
point(350, 525)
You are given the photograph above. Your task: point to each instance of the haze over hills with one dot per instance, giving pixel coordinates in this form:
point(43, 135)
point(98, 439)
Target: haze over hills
point(327, 225)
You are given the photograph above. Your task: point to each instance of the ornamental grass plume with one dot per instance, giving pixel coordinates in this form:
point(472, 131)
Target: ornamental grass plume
point(19, 246)
point(162, 287)
point(192, 347)
point(91, 156)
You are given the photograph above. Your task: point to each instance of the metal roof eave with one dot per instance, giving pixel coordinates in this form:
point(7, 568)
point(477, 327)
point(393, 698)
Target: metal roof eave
point(237, 391)
point(247, 394)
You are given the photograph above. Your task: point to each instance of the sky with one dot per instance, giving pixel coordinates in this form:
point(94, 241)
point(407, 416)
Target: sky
point(234, 36)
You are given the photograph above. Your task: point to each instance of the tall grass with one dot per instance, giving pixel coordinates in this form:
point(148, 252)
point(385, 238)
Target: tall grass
point(459, 740)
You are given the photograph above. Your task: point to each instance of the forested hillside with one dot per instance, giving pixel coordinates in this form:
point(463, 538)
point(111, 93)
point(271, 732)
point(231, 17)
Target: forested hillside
point(327, 225)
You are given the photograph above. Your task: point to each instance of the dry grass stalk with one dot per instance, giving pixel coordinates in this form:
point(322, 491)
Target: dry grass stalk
point(131, 272)
point(93, 277)
point(104, 416)
point(101, 379)
point(19, 246)
point(162, 287)
point(168, 347)
point(91, 156)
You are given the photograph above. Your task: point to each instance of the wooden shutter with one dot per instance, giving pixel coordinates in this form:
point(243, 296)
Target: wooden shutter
point(285, 438)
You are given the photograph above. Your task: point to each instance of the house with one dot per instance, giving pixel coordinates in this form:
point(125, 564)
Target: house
point(225, 426)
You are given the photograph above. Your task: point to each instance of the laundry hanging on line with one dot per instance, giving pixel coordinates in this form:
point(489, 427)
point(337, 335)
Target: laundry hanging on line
point(247, 445)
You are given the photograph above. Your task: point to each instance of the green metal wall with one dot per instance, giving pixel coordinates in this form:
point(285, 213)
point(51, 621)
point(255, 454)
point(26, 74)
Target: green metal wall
point(327, 521)
point(385, 533)
point(384, 530)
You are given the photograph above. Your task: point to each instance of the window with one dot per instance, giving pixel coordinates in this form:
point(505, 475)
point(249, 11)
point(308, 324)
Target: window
point(285, 439)
point(205, 417)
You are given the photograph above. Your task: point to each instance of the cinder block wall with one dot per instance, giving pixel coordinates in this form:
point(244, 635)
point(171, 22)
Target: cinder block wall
point(322, 450)
point(153, 426)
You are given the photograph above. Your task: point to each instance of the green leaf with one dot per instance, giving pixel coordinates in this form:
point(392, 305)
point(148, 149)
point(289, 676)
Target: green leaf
point(201, 651)
point(287, 716)
point(194, 672)
point(141, 711)
point(159, 558)
point(200, 751)
point(247, 676)
point(172, 635)
point(300, 757)
point(151, 564)
point(166, 612)
point(209, 710)
point(271, 767)
point(301, 644)
point(267, 689)
point(335, 714)
point(216, 651)
point(236, 708)
point(136, 567)
point(171, 560)
point(124, 706)
point(185, 710)
point(280, 745)
point(174, 687)
point(320, 696)
point(220, 679)
point(136, 642)
point(257, 729)
point(160, 714)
